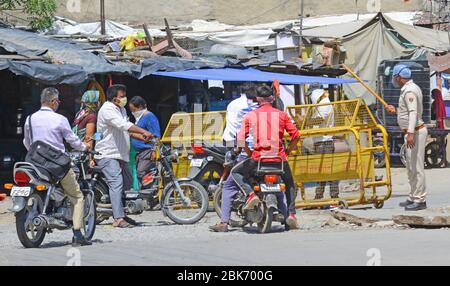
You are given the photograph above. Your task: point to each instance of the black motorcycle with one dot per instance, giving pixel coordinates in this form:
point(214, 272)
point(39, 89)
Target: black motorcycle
point(266, 183)
point(184, 201)
point(41, 206)
point(206, 167)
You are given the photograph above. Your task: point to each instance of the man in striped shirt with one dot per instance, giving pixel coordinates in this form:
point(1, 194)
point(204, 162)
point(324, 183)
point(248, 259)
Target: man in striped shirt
point(114, 149)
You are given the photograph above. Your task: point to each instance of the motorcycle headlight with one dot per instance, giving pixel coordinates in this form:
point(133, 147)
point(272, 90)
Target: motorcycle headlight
point(75, 156)
point(229, 157)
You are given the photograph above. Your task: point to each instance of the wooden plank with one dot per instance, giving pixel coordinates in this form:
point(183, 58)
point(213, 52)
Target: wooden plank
point(148, 36)
point(360, 221)
point(423, 220)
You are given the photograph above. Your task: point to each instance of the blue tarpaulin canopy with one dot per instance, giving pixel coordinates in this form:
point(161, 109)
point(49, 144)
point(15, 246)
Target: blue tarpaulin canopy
point(251, 74)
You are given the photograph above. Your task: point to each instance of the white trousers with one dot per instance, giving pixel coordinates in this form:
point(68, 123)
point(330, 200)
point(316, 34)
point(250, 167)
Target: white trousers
point(415, 164)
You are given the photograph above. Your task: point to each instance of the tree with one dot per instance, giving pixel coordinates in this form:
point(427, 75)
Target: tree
point(39, 12)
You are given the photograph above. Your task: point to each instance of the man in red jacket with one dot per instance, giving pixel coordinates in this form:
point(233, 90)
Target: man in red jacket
point(268, 126)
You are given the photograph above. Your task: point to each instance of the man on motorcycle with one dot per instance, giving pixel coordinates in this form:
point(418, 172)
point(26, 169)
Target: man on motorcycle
point(274, 122)
point(52, 128)
point(268, 126)
point(236, 112)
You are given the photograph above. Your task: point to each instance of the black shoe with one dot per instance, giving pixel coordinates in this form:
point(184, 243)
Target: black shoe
point(405, 204)
point(416, 207)
point(80, 241)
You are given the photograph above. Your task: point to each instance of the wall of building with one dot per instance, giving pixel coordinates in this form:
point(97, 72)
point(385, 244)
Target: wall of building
point(227, 11)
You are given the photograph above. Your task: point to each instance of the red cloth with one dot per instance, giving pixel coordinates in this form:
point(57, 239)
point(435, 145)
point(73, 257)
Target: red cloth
point(441, 114)
point(276, 86)
point(268, 125)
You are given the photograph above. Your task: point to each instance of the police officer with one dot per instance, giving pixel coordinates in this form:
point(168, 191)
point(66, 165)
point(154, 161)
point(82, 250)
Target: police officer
point(409, 115)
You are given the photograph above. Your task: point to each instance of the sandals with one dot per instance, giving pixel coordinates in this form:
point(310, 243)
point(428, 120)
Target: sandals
point(121, 224)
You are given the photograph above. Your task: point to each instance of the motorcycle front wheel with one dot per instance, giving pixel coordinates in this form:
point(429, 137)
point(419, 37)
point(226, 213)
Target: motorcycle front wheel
point(90, 216)
point(218, 208)
point(29, 235)
point(178, 210)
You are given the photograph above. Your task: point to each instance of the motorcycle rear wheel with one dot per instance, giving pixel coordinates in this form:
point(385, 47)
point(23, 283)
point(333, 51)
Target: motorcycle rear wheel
point(265, 225)
point(24, 222)
point(173, 206)
point(100, 189)
point(210, 176)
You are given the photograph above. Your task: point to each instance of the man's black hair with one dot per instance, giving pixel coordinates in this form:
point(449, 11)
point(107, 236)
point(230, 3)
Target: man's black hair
point(264, 91)
point(112, 91)
point(249, 89)
point(138, 102)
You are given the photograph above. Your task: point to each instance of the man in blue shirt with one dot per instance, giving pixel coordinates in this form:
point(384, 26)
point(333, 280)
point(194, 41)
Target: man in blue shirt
point(145, 157)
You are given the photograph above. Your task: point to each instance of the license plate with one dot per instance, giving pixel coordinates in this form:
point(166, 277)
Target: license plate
point(270, 188)
point(196, 163)
point(20, 191)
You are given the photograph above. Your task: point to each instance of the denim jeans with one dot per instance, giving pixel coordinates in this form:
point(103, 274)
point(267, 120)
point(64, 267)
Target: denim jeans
point(119, 178)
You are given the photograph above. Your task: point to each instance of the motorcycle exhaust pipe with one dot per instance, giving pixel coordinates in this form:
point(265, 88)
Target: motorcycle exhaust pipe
point(39, 222)
point(105, 211)
point(49, 222)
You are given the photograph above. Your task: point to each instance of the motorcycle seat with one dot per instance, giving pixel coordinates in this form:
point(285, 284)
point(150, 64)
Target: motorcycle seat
point(270, 170)
point(97, 170)
point(37, 172)
point(219, 150)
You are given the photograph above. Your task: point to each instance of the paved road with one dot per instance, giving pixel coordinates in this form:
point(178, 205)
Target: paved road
point(321, 241)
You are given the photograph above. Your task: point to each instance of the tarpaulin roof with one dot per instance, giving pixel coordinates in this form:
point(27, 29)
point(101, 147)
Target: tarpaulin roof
point(71, 63)
point(251, 74)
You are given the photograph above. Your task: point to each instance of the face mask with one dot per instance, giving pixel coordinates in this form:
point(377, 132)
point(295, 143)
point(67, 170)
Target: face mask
point(138, 114)
point(123, 102)
point(251, 102)
point(395, 83)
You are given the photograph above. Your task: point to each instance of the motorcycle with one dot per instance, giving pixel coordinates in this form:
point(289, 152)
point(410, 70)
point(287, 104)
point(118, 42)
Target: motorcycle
point(266, 184)
point(41, 206)
point(184, 201)
point(206, 167)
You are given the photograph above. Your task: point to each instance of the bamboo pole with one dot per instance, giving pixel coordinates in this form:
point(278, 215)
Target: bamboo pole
point(373, 92)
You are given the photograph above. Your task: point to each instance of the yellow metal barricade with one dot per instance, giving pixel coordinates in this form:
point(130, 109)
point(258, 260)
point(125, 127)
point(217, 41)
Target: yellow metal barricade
point(351, 126)
point(185, 129)
point(352, 163)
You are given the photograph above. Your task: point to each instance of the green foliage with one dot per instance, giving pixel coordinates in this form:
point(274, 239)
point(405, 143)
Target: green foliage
point(39, 12)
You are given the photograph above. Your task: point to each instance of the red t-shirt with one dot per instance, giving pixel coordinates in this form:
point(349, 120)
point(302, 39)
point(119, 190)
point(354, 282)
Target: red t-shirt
point(268, 125)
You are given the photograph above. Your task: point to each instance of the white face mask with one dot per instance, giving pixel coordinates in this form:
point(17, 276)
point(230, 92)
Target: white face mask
point(139, 113)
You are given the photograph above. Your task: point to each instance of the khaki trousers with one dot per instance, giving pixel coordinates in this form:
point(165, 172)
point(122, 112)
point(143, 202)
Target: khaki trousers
point(72, 190)
point(415, 164)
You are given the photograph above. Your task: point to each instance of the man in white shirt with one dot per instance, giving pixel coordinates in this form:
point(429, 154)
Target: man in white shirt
point(236, 111)
point(324, 144)
point(114, 149)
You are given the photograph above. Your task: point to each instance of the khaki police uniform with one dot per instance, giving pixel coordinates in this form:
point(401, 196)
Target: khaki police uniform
point(410, 121)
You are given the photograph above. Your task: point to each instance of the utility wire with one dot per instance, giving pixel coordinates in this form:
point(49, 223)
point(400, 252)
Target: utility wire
point(265, 12)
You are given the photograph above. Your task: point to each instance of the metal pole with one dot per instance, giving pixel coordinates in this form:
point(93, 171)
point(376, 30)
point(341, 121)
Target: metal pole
point(102, 17)
point(302, 6)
